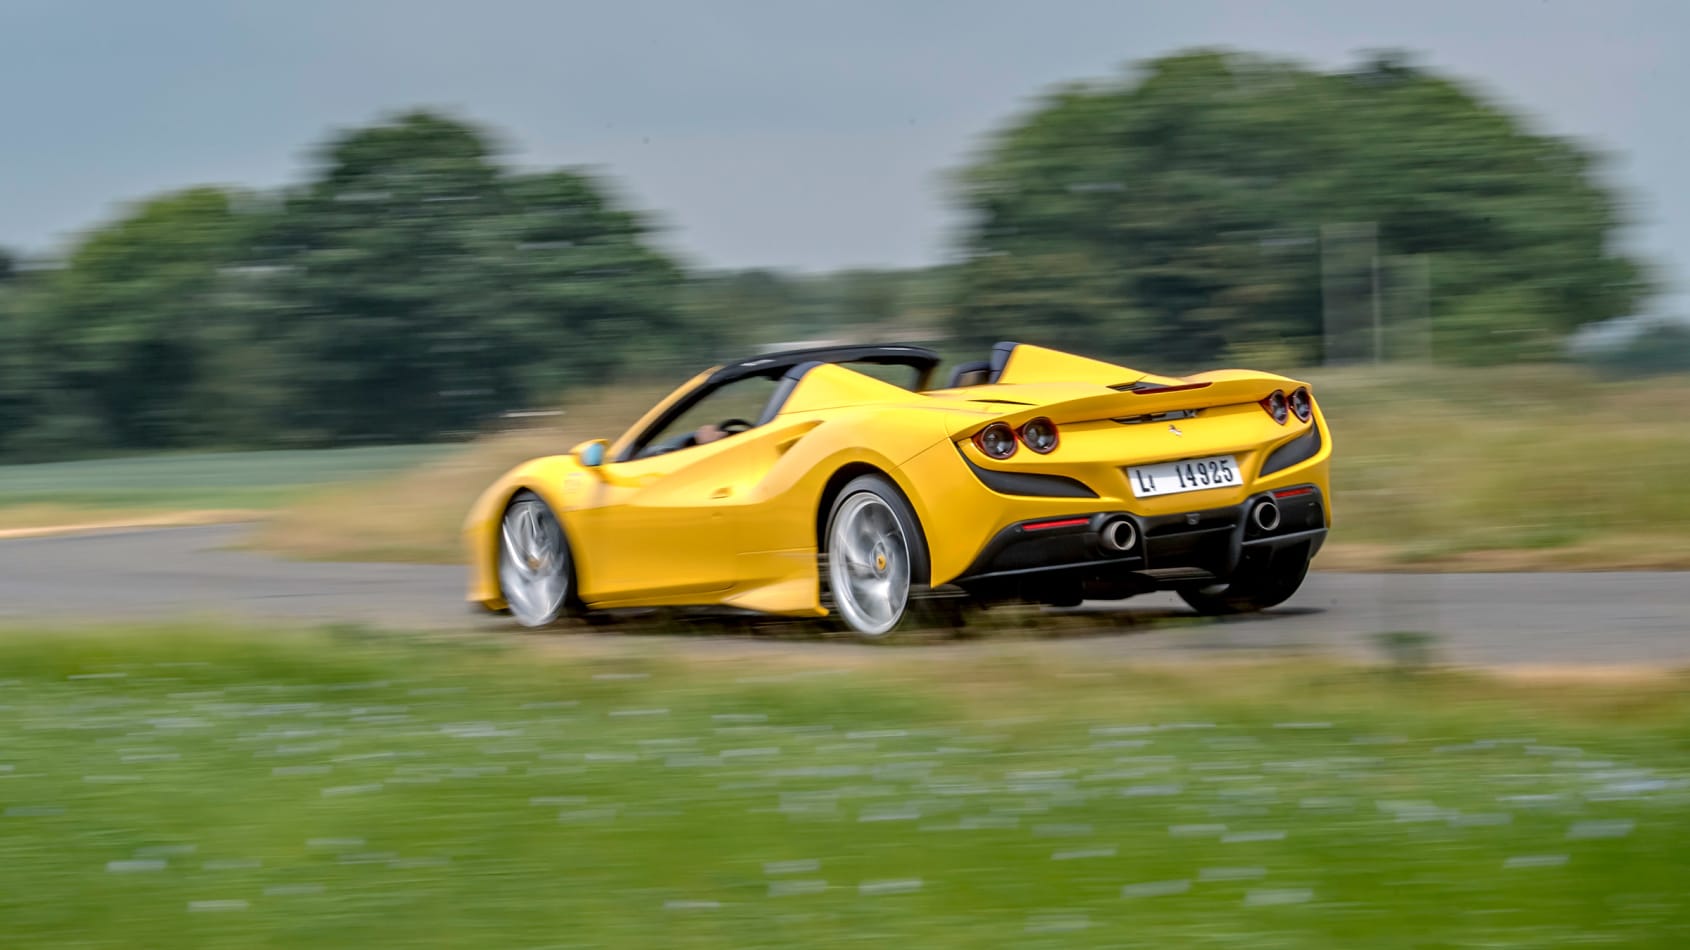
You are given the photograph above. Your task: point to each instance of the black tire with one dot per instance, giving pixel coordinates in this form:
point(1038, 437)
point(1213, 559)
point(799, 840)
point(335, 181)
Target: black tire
point(555, 577)
point(875, 493)
point(1250, 590)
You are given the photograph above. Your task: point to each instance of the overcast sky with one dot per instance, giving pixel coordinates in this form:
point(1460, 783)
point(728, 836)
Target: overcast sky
point(783, 133)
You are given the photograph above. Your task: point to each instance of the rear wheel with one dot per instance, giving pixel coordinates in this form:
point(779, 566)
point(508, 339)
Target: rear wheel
point(536, 574)
point(1253, 588)
point(874, 551)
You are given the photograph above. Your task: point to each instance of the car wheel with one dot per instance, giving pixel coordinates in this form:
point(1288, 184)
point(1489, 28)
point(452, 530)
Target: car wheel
point(874, 550)
point(1251, 590)
point(536, 573)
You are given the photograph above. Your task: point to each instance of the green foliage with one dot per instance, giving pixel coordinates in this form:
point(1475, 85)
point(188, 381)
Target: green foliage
point(427, 288)
point(1660, 348)
point(137, 313)
point(1181, 212)
point(738, 309)
point(412, 288)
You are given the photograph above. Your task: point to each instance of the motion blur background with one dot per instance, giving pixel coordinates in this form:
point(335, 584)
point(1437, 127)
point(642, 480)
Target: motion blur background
point(322, 224)
point(330, 267)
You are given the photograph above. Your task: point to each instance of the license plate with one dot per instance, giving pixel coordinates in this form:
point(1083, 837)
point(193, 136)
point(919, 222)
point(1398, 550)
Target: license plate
point(1171, 478)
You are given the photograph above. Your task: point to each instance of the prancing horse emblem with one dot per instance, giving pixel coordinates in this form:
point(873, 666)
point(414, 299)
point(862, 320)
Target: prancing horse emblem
point(1174, 429)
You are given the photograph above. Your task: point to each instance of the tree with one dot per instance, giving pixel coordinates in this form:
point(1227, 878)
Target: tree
point(1177, 213)
point(370, 259)
point(580, 294)
point(18, 389)
point(1661, 346)
point(126, 328)
point(420, 288)
point(412, 288)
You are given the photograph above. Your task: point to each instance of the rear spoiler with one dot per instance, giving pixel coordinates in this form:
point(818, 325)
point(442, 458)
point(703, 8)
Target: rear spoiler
point(1148, 399)
point(1025, 363)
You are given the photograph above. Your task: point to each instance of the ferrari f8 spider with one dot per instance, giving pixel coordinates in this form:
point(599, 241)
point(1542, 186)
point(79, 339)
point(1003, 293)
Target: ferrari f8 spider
point(835, 481)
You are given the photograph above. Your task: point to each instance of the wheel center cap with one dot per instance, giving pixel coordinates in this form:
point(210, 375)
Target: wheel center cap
point(880, 561)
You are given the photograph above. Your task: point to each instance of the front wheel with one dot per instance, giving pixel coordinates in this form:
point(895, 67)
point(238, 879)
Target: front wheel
point(536, 576)
point(874, 551)
point(1252, 589)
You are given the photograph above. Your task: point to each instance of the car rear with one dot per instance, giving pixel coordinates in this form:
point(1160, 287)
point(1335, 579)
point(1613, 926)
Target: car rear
point(1085, 490)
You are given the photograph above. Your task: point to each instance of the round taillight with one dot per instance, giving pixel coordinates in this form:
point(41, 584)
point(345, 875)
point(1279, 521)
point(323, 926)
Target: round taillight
point(996, 440)
point(1039, 435)
point(1275, 406)
point(1302, 405)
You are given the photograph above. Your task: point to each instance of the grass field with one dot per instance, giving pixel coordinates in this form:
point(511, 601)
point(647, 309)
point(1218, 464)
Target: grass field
point(1520, 468)
point(147, 486)
point(344, 789)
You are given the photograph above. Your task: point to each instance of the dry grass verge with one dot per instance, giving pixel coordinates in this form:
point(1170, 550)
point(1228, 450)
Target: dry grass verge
point(1526, 468)
point(417, 516)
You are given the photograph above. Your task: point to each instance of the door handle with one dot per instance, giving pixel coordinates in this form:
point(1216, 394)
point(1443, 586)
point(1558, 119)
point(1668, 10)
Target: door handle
point(722, 492)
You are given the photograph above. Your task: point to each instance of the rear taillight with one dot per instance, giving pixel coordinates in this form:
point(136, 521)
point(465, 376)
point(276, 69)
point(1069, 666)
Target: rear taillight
point(996, 440)
point(1275, 406)
point(1039, 435)
point(1302, 404)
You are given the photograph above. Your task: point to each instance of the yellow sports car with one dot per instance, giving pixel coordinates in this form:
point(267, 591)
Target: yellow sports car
point(834, 481)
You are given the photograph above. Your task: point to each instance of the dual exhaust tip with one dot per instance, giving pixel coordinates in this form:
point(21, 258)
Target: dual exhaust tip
point(1119, 535)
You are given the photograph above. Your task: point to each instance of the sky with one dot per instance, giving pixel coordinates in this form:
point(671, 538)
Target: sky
point(784, 133)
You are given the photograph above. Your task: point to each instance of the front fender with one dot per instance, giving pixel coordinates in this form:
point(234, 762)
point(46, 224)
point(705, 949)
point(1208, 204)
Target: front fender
point(559, 481)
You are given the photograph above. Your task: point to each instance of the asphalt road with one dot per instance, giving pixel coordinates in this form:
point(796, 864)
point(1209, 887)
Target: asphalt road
point(1484, 619)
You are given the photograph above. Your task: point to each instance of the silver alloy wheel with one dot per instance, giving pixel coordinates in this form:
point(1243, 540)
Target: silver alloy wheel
point(868, 564)
point(533, 563)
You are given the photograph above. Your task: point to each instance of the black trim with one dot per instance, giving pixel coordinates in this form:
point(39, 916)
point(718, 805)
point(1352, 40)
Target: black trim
point(771, 365)
point(963, 369)
point(1300, 449)
point(781, 366)
point(1000, 359)
point(1028, 484)
point(1015, 550)
point(1284, 538)
point(1057, 565)
point(783, 391)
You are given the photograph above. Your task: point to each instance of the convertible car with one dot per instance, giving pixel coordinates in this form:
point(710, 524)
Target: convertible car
point(835, 482)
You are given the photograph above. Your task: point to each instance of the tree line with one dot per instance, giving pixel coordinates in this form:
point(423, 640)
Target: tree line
point(415, 285)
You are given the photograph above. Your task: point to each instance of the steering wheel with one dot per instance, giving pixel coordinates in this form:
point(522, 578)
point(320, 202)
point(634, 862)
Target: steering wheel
point(732, 426)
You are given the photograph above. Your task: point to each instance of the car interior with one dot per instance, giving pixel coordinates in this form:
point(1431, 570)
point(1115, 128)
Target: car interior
point(747, 402)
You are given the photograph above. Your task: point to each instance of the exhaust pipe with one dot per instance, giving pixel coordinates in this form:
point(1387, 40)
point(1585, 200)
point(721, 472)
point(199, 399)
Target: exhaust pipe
point(1266, 516)
point(1118, 535)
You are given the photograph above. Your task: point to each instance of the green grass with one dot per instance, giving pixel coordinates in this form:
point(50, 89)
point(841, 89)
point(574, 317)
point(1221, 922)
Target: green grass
point(351, 790)
point(199, 481)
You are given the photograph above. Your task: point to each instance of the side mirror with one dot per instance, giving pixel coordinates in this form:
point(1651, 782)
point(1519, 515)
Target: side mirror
point(590, 454)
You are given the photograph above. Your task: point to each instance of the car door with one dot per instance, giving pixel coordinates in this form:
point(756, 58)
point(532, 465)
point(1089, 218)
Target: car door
point(650, 528)
point(657, 529)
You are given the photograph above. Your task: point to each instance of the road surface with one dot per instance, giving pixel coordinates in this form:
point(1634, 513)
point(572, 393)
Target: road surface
point(1482, 619)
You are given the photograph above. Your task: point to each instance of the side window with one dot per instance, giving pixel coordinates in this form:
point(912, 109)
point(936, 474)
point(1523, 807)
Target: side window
point(740, 401)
